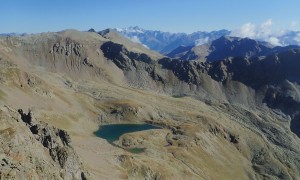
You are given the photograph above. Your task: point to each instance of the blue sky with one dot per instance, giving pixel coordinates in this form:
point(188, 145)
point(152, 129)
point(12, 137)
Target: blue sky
point(34, 16)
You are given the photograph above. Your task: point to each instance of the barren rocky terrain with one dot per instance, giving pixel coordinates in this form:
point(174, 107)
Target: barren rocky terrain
point(237, 118)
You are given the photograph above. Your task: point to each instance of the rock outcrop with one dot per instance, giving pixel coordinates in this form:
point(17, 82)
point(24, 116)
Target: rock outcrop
point(239, 115)
point(31, 149)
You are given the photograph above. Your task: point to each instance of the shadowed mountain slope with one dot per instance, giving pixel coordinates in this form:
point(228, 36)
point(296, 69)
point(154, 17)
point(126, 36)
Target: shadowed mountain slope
point(226, 47)
point(239, 115)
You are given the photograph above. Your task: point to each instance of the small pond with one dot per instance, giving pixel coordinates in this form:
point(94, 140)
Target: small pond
point(112, 132)
point(136, 150)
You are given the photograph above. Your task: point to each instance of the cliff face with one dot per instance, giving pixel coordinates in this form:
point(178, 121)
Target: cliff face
point(238, 115)
point(259, 75)
point(256, 84)
point(31, 149)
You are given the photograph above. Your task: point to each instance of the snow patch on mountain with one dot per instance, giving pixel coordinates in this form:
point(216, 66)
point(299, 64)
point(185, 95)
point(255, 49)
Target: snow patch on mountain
point(166, 42)
point(201, 41)
point(131, 29)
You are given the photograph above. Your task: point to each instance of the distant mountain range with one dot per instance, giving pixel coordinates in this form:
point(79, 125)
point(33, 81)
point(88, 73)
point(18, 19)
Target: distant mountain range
point(226, 47)
point(13, 34)
point(165, 42)
point(236, 112)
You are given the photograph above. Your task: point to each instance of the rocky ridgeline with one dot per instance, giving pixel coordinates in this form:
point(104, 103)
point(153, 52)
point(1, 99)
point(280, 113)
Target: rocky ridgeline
point(73, 52)
point(269, 76)
point(68, 49)
point(35, 150)
point(248, 108)
point(269, 83)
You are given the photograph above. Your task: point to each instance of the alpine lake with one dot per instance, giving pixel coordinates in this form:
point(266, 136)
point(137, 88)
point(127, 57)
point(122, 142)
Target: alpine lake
point(112, 132)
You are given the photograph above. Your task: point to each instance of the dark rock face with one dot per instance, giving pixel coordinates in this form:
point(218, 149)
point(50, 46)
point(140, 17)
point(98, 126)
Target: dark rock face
point(64, 136)
point(83, 177)
point(123, 58)
point(57, 141)
point(87, 63)
point(26, 117)
point(187, 71)
point(179, 51)
point(259, 72)
point(235, 47)
point(274, 77)
point(228, 47)
point(91, 30)
point(62, 156)
point(253, 72)
point(277, 77)
point(283, 97)
point(128, 61)
point(114, 52)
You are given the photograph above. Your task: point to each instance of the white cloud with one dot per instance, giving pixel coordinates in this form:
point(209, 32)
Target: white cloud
point(267, 24)
point(265, 29)
point(246, 30)
point(297, 38)
point(274, 41)
point(135, 39)
point(201, 41)
point(263, 32)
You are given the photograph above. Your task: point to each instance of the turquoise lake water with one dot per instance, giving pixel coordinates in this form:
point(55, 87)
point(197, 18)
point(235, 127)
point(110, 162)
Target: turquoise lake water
point(112, 132)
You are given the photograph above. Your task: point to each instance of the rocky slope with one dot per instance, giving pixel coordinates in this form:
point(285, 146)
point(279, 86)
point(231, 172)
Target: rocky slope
point(35, 150)
point(250, 83)
point(237, 118)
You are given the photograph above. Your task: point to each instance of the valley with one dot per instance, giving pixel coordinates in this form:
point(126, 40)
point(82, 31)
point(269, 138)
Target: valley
point(233, 118)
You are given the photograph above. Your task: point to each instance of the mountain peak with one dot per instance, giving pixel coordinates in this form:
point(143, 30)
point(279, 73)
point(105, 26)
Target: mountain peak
point(131, 29)
point(225, 47)
point(91, 30)
point(107, 31)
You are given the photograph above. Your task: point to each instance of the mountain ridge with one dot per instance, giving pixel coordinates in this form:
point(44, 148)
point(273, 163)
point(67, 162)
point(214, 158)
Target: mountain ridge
point(164, 42)
point(239, 115)
point(226, 47)
point(173, 40)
